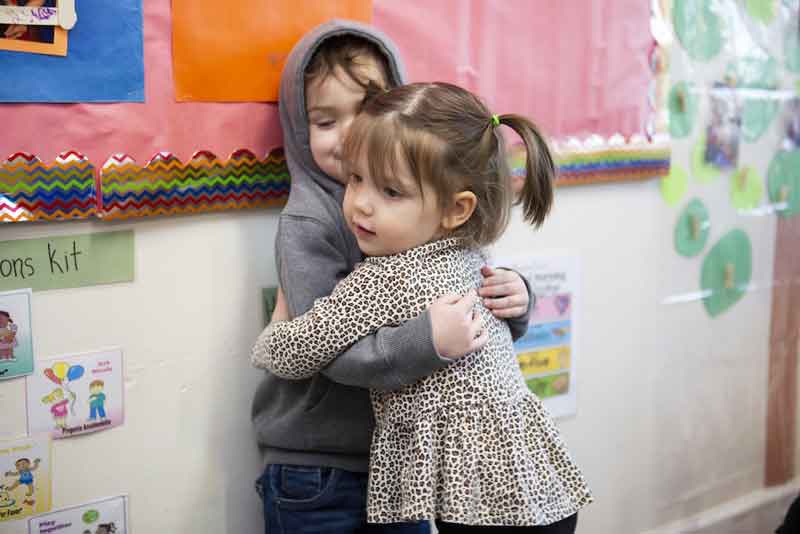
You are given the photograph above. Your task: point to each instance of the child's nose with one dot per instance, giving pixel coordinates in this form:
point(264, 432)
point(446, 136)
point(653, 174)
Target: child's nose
point(363, 204)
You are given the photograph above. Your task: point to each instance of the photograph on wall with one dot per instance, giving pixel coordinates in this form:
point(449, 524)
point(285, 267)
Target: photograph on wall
point(25, 478)
point(76, 394)
point(791, 120)
point(33, 28)
point(104, 63)
point(105, 516)
point(16, 337)
point(547, 351)
point(724, 132)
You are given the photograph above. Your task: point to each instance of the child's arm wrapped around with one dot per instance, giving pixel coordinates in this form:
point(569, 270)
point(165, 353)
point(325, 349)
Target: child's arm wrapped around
point(368, 299)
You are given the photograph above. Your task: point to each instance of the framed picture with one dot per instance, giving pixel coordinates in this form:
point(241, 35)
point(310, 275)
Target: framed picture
point(36, 26)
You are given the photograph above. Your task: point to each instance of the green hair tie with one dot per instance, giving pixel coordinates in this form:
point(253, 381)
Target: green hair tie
point(495, 120)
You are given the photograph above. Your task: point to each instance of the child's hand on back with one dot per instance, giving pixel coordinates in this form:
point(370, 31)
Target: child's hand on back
point(457, 327)
point(281, 311)
point(504, 293)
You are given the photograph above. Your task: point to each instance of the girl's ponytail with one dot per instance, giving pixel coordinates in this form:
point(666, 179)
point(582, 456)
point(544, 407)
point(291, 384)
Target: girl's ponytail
point(536, 196)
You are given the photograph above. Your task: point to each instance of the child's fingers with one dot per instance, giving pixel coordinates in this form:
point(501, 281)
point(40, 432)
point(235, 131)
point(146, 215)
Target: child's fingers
point(498, 276)
point(467, 302)
point(510, 301)
point(476, 325)
point(479, 342)
point(450, 298)
point(497, 290)
point(510, 313)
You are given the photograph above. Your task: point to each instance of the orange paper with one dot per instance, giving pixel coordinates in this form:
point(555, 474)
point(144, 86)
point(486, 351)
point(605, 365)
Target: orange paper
point(234, 52)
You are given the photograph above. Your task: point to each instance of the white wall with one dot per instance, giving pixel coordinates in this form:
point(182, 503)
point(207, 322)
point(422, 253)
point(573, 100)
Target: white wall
point(186, 454)
point(671, 405)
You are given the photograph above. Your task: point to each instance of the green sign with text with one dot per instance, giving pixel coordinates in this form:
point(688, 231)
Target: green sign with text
point(67, 261)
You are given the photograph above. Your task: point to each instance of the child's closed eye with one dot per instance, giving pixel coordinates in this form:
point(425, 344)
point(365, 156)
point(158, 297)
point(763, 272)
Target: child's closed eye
point(391, 192)
point(325, 124)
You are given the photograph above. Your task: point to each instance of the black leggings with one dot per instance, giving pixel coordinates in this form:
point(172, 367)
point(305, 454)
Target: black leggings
point(565, 526)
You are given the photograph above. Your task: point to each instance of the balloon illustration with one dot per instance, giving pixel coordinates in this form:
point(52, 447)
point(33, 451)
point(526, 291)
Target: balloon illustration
point(62, 374)
point(75, 372)
point(52, 376)
point(60, 369)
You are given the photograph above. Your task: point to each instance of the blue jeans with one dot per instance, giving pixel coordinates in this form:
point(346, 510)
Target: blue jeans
point(95, 410)
point(310, 500)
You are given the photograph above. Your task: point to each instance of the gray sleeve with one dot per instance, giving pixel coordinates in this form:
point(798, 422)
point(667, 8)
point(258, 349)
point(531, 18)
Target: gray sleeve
point(311, 261)
point(391, 358)
point(519, 325)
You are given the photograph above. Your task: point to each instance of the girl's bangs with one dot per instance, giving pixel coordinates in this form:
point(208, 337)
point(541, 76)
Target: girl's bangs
point(380, 137)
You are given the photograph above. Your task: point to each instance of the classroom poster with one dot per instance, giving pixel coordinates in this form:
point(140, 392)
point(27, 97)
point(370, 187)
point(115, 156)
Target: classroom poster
point(16, 337)
point(25, 478)
point(76, 394)
point(547, 352)
point(106, 516)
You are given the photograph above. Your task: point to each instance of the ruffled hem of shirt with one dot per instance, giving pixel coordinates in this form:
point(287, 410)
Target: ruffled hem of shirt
point(487, 464)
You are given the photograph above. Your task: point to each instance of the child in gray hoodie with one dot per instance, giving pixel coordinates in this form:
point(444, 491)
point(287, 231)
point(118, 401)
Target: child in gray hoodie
point(315, 433)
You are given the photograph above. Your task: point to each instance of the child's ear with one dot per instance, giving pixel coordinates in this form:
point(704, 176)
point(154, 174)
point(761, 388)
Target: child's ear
point(461, 208)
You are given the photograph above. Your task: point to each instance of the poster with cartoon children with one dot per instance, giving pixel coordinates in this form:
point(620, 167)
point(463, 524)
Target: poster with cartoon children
point(25, 478)
point(105, 516)
point(16, 340)
point(76, 394)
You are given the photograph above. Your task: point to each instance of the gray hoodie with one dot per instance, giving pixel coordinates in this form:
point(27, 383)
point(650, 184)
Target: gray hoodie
point(327, 420)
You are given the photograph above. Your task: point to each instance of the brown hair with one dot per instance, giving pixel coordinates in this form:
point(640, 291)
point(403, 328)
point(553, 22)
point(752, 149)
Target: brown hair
point(7, 315)
point(96, 383)
point(449, 138)
point(350, 53)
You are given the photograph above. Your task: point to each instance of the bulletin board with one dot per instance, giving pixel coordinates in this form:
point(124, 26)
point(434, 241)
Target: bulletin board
point(599, 134)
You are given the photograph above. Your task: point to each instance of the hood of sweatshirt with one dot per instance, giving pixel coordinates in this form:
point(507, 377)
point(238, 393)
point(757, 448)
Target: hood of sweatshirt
point(307, 178)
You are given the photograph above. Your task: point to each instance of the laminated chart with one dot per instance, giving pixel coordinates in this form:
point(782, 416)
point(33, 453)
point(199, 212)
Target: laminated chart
point(547, 352)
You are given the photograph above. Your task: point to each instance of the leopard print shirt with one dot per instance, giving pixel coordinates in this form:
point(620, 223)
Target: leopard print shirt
point(470, 443)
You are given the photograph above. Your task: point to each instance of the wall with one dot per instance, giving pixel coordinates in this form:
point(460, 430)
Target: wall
point(671, 404)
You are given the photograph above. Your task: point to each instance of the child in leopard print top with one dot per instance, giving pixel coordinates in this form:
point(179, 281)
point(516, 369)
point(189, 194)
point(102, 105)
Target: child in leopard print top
point(470, 444)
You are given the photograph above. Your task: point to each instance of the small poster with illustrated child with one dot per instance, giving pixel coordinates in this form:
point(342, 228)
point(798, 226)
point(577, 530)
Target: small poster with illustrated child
point(16, 337)
point(106, 516)
point(25, 478)
point(76, 394)
point(547, 351)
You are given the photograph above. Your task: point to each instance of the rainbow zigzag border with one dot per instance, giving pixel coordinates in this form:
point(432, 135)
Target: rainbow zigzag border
point(165, 186)
point(33, 191)
point(596, 160)
point(612, 162)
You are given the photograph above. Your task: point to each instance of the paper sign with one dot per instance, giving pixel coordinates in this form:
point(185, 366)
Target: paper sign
point(67, 261)
point(16, 337)
point(25, 478)
point(74, 395)
point(107, 516)
point(547, 351)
